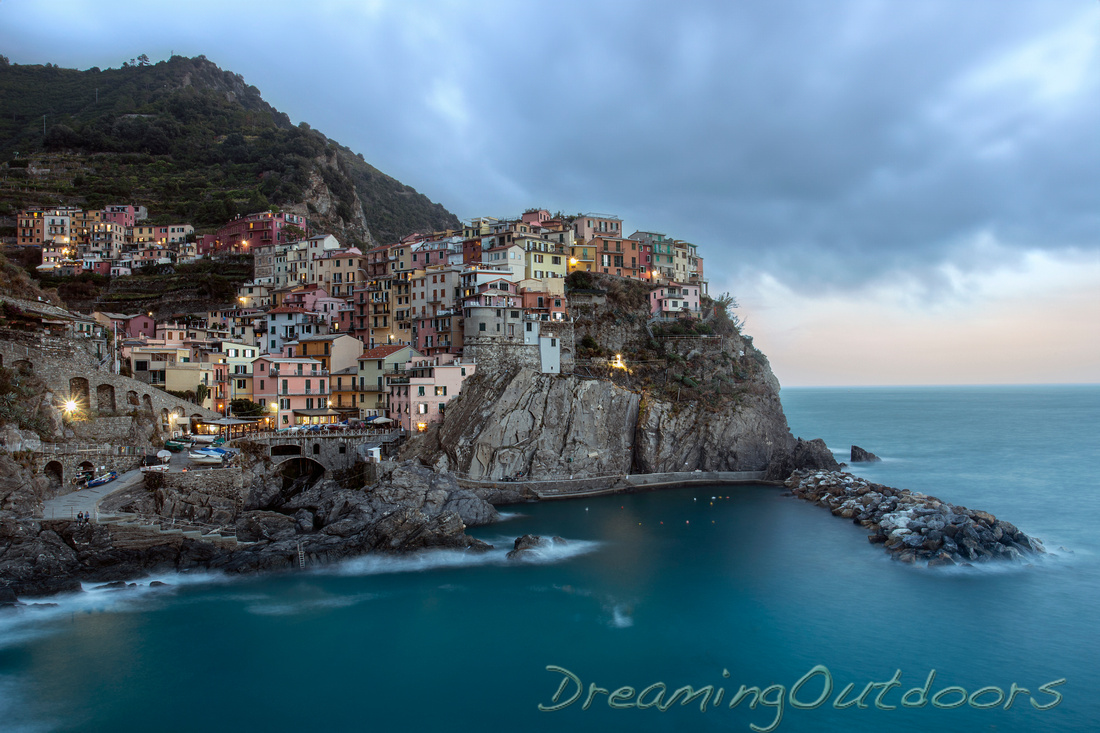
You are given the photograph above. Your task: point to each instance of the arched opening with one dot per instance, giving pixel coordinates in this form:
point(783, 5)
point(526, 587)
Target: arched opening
point(286, 450)
point(164, 416)
point(303, 472)
point(55, 474)
point(78, 390)
point(298, 474)
point(132, 398)
point(86, 466)
point(23, 366)
point(105, 399)
point(316, 449)
point(147, 403)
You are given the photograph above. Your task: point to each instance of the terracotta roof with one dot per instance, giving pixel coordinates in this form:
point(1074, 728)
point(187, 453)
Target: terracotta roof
point(379, 352)
point(287, 309)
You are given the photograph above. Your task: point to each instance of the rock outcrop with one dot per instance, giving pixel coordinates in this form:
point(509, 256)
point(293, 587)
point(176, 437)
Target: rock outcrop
point(528, 544)
point(914, 527)
point(863, 456)
point(410, 508)
point(550, 426)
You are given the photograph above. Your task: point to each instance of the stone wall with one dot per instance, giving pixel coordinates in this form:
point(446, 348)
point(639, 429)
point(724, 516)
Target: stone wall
point(70, 369)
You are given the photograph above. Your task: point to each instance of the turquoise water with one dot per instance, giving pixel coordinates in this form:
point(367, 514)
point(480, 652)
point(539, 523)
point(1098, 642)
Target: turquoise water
point(681, 587)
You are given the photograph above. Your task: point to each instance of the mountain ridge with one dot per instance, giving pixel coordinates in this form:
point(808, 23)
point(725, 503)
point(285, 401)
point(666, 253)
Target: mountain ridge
point(191, 142)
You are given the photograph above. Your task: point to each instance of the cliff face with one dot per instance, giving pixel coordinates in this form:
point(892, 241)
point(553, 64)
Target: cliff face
point(549, 426)
point(706, 401)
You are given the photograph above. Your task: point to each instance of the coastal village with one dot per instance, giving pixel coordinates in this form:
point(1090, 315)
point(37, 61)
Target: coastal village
point(324, 335)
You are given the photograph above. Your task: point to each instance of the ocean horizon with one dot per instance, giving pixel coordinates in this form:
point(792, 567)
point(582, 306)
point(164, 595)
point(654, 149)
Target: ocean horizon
point(715, 587)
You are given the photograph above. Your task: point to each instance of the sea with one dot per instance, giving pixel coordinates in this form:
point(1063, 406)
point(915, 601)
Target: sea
point(709, 608)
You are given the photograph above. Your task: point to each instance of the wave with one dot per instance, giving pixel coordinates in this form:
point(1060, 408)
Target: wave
point(508, 516)
point(38, 617)
point(428, 560)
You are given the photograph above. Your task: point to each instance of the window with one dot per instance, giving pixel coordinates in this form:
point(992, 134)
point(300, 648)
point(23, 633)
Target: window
point(441, 391)
point(420, 391)
point(285, 389)
point(481, 327)
point(553, 342)
point(422, 408)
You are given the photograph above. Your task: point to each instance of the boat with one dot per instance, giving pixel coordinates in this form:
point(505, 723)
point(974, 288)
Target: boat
point(177, 444)
point(103, 478)
point(204, 439)
point(83, 477)
point(158, 468)
point(206, 456)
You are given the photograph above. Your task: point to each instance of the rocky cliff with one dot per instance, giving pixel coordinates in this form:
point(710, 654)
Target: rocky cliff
point(705, 399)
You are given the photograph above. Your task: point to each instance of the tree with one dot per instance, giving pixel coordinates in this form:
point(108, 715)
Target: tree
point(243, 407)
point(201, 393)
point(143, 60)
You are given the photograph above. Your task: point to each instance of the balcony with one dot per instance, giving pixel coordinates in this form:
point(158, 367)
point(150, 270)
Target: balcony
point(275, 372)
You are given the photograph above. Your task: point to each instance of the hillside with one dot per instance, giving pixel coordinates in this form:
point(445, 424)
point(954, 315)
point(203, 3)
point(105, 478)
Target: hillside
point(192, 143)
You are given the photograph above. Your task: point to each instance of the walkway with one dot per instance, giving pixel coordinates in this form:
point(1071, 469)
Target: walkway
point(87, 500)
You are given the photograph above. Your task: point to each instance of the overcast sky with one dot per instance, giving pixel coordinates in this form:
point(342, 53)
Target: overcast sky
point(897, 192)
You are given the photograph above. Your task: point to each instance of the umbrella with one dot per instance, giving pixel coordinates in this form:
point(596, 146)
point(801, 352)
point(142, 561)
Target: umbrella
point(381, 420)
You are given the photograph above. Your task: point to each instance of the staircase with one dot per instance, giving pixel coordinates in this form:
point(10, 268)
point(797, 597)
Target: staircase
point(136, 527)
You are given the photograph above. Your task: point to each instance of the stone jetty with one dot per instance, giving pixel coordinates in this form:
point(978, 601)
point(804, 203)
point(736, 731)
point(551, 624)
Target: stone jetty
point(914, 527)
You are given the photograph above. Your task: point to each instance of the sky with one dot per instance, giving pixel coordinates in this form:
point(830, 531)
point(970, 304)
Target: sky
point(895, 192)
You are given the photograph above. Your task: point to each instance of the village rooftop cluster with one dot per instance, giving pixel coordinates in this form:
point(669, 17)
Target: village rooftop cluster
point(325, 333)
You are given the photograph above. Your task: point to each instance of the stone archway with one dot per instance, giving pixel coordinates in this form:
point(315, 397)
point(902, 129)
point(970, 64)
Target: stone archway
point(286, 450)
point(78, 390)
point(86, 466)
point(300, 473)
point(147, 403)
point(105, 399)
point(165, 416)
point(132, 398)
point(55, 475)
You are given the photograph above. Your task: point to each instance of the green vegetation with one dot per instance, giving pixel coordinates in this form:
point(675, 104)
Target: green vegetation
point(243, 407)
point(17, 403)
point(189, 141)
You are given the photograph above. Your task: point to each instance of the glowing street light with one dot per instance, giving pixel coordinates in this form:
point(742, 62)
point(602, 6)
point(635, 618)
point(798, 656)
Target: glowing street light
point(70, 406)
point(618, 362)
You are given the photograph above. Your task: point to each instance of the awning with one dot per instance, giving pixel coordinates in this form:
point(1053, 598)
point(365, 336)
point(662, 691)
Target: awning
point(318, 413)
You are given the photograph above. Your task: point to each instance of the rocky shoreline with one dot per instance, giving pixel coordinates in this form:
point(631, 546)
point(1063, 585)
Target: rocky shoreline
point(414, 508)
point(411, 509)
point(915, 527)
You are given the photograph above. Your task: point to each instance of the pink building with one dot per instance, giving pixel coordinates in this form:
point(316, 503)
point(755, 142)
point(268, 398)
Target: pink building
point(128, 326)
point(674, 300)
point(593, 225)
point(295, 391)
point(255, 229)
point(420, 396)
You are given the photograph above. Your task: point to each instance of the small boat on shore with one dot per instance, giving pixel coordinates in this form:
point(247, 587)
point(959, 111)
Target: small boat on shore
point(177, 444)
point(206, 456)
point(103, 478)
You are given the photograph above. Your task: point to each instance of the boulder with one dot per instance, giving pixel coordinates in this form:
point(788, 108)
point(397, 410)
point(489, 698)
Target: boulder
point(525, 545)
point(861, 456)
